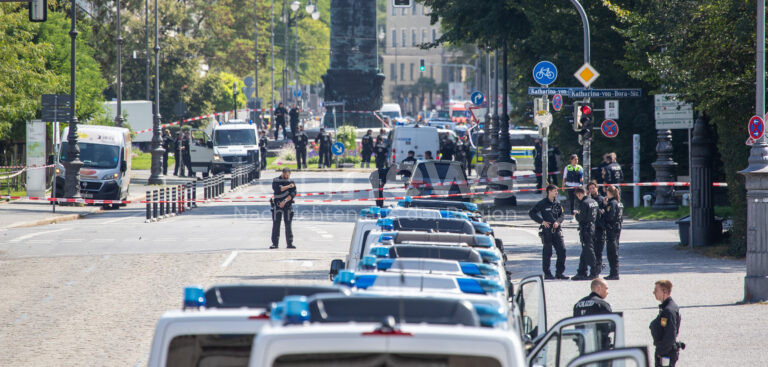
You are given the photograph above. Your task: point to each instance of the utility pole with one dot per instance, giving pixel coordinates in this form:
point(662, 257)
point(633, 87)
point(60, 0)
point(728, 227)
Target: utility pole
point(587, 153)
point(73, 164)
point(272, 54)
point(256, 52)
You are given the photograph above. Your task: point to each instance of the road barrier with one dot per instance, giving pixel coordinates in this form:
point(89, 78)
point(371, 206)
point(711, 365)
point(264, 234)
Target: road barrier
point(166, 201)
point(242, 174)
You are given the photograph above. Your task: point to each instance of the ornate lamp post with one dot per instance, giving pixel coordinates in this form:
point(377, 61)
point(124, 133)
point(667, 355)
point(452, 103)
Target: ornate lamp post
point(156, 177)
point(73, 163)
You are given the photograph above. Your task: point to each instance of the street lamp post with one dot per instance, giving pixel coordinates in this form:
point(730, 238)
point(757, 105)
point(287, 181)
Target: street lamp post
point(295, 5)
point(119, 41)
point(234, 98)
point(146, 46)
point(73, 164)
point(156, 177)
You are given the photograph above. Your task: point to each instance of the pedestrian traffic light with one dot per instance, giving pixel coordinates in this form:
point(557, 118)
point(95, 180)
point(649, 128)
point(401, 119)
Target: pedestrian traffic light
point(587, 120)
point(401, 3)
point(421, 65)
point(38, 10)
point(577, 116)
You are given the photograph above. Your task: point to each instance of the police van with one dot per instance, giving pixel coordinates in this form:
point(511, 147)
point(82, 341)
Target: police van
point(106, 155)
point(419, 139)
point(231, 143)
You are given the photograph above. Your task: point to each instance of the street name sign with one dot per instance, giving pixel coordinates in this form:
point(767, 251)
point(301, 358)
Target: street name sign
point(577, 92)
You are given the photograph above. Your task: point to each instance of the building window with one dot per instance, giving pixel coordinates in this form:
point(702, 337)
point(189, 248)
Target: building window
point(412, 65)
point(404, 34)
point(423, 35)
point(394, 38)
point(392, 71)
point(414, 40)
point(434, 35)
point(402, 71)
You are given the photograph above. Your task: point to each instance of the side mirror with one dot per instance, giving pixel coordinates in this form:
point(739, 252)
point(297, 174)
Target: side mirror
point(336, 266)
point(209, 144)
point(123, 166)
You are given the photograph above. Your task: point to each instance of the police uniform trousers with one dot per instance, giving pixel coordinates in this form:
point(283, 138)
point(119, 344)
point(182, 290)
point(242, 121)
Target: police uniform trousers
point(366, 159)
point(612, 249)
point(325, 157)
point(282, 214)
point(179, 163)
point(188, 163)
point(301, 158)
point(599, 245)
point(550, 239)
point(278, 124)
point(587, 258)
point(672, 359)
point(263, 158)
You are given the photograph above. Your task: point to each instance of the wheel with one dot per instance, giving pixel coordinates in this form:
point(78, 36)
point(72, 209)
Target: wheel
point(258, 174)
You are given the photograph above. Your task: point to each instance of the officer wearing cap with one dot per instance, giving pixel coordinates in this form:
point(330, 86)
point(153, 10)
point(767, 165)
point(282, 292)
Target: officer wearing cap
point(666, 326)
point(282, 207)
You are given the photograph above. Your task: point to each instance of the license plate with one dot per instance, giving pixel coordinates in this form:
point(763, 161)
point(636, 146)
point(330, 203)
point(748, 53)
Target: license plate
point(86, 195)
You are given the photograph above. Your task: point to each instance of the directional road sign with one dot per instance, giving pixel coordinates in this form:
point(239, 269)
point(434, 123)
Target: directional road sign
point(297, 93)
point(477, 98)
point(56, 107)
point(577, 92)
point(557, 102)
point(337, 148)
point(586, 75)
point(610, 128)
point(545, 73)
point(670, 113)
point(756, 127)
point(248, 81)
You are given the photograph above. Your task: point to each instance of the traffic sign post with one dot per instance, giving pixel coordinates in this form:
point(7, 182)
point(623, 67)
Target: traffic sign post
point(610, 128)
point(756, 127)
point(557, 102)
point(544, 73)
point(477, 98)
point(337, 148)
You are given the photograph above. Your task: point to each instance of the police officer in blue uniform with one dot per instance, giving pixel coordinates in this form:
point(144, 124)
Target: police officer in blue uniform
point(614, 211)
point(595, 304)
point(550, 214)
point(666, 326)
point(367, 149)
point(599, 238)
point(586, 215)
point(284, 190)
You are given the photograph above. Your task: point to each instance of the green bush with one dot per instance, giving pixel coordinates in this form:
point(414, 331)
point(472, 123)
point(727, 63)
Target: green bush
point(346, 135)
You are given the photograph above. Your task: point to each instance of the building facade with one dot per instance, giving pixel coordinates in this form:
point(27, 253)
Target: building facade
point(406, 28)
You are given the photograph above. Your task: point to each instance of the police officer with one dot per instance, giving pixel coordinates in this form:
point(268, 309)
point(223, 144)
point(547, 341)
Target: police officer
point(599, 239)
point(573, 174)
point(381, 152)
point(178, 148)
point(666, 326)
point(324, 150)
point(612, 173)
point(263, 141)
point(586, 215)
point(367, 144)
point(280, 113)
point(553, 156)
point(293, 114)
point(549, 214)
point(537, 163)
point(446, 149)
point(168, 146)
point(185, 152)
point(614, 211)
point(284, 190)
point(300, 142)
point(595, 304)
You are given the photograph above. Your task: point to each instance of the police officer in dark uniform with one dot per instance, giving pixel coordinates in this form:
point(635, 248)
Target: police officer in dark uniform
point(595, 304)
point(284, 190)
point(185, 151)
point(263, 141)
point(381, 152)
point(599, 239)
point(666, 326)
point(446, 149)
point(612, 173)
point(280, 113)
point(293, 115)
point(178, 144)
point(168, 146)
point(367, 144)
point(300, 141)
point(586, 215)
point(550, 214)
point(537, 163)
point(324, 151)
point(614, 211)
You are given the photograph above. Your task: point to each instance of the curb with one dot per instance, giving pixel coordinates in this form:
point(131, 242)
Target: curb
point(64, 218)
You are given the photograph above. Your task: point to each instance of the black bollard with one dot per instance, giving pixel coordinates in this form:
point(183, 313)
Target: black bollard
point(154, 204)
point(702, 209)
point(174, 197)
point(148, 198)
point(161, 204)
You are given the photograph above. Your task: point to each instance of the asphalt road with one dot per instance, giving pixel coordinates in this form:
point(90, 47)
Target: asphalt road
point(89, 292)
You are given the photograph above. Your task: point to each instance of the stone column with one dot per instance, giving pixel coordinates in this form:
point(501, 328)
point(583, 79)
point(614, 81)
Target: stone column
point(756, 281)
point(702, 209)
point(665, 171)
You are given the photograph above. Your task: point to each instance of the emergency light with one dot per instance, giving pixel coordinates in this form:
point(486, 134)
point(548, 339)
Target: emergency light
point(367, 263)
point(194, 297)
point(488, 256)
point(490, 316)
point(380, 252)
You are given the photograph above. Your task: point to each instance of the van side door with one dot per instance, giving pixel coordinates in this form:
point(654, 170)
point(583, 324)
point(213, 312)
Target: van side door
point(576, 336)
point(200, 151)
point(532, 303)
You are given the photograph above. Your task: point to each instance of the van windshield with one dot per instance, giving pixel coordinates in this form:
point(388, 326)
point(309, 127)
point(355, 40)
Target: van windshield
point(384, 359)
point(94, 155)
point(391, 114)
point(234, 137)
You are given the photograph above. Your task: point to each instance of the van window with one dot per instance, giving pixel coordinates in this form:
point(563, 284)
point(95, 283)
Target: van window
point(383, 359)
point(203, 350)
point(365, 239)
point(94, 155)
point(234, 137)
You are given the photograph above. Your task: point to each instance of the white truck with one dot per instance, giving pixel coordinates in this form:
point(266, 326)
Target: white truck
point(232, 143)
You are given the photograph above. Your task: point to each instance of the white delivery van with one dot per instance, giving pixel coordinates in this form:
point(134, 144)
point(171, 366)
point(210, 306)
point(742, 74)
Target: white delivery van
point(419, 139)
point(391, 110)
point(231, 143)
point(106, 155)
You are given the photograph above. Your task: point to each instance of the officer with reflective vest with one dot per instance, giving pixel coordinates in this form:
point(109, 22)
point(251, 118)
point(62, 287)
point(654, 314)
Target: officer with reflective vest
point(614, 210)
point(586, 216)
point(549, 214)
point(573, 174)
point(284, 191)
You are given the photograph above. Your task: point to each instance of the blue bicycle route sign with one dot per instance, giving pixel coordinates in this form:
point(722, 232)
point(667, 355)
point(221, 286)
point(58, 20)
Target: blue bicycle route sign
point(545, 73)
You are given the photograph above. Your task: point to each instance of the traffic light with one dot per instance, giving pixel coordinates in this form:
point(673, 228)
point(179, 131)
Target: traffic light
point(577, 116)
point(587, 120)
point(401, 3)
point(38, 10)
point(421, 65)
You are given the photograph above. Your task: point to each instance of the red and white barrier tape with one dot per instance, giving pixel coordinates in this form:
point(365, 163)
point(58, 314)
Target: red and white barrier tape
point(27, 167)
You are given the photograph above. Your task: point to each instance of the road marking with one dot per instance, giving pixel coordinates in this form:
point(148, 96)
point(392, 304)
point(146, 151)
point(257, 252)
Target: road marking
point(306, 264)
point(326, 235)
point(20, 319)
point(229, 259)
point(35, 234)
point(119, 219)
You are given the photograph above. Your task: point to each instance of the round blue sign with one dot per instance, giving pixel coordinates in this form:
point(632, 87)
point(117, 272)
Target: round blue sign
point(297, 93)
point(545, 73)
point(477, 98)
point(610, 128)
point(337, 148)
